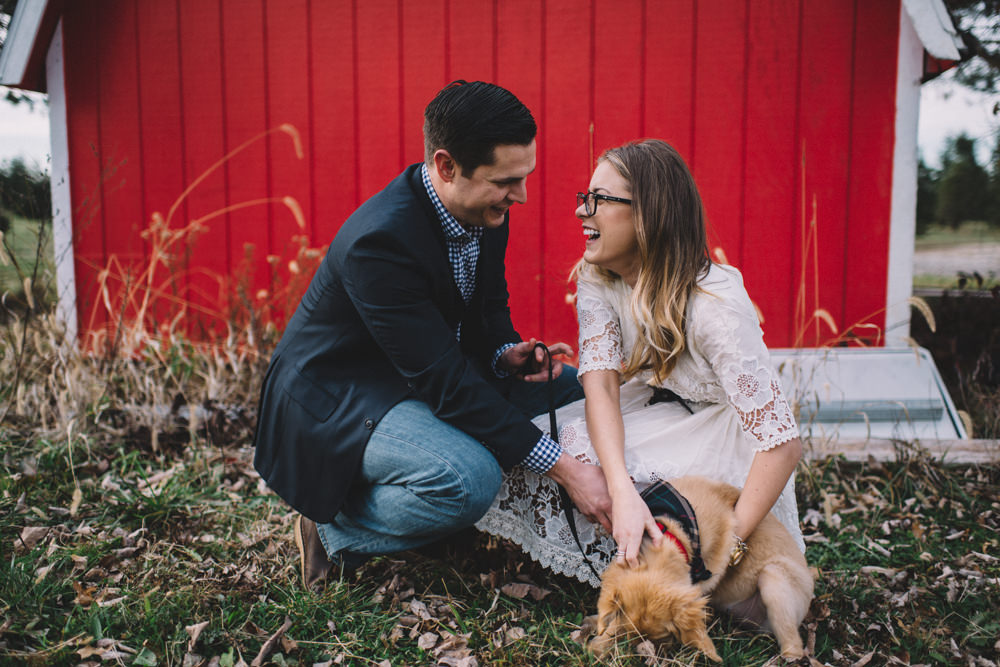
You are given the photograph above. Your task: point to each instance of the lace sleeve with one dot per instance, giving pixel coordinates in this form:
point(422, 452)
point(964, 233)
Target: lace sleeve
point(726, 331)
point(600, 331)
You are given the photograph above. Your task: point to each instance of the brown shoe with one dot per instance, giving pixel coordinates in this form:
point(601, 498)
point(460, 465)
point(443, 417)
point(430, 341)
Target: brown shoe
point(313, 559)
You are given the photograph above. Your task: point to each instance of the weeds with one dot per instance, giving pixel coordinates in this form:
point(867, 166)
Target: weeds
point(162, 542)
point(135, 531)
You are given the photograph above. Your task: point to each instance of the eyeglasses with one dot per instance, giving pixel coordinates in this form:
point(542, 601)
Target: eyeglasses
point(589, 201)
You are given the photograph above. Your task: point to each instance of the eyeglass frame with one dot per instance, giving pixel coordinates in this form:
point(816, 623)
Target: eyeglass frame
point(582, 198)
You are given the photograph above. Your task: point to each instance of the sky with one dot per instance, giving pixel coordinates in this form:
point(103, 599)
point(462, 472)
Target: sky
point(946, 109)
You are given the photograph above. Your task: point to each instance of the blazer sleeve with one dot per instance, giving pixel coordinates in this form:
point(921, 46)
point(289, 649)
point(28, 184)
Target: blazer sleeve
point(392, 288)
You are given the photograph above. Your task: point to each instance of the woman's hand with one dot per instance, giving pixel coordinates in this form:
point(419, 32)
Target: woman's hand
point(630, 520)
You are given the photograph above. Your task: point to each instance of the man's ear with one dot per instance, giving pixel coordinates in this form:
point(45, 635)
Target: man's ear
point(445, 164)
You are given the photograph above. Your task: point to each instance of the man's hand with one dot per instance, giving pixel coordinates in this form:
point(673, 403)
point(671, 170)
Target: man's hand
point(586, 486)
point(529, 364)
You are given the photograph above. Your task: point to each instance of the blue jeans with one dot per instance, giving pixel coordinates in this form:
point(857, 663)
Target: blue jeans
point(422, 479)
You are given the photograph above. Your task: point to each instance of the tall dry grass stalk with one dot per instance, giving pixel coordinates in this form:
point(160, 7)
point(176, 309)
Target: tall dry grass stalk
point(152, 348)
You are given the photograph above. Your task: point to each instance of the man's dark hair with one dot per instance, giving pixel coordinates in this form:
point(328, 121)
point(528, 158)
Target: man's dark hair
point(469, 120)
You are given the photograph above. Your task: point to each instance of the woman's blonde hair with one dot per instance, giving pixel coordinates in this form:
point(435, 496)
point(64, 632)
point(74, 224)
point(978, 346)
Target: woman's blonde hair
point(673, 250)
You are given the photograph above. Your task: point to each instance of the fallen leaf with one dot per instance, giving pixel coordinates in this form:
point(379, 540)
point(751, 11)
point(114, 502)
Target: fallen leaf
point(865, 659)
point(41, 572)
point(269, 645)
point(74, 506)
point(420, 609)
point(519, 591)
point(513, 634)
point(30, 536)
point(145, 658)
point(467, 661)
point(194, 631)
point(90, 651)
point(109, 603)
point(427, 640)
point(84, 596)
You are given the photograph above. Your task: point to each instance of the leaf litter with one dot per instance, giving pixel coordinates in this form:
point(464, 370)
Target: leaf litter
point(906, 551)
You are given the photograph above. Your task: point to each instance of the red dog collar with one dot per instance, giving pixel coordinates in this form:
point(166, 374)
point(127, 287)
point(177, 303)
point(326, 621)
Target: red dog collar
point(680, 545)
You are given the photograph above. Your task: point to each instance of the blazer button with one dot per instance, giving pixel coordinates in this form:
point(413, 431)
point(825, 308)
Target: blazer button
point(369, 424)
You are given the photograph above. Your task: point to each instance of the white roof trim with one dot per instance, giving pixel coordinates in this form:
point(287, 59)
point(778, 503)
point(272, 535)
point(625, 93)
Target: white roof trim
point(934, 27)
point(20, 41)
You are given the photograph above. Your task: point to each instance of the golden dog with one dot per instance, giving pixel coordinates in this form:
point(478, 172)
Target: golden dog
point(657, 599)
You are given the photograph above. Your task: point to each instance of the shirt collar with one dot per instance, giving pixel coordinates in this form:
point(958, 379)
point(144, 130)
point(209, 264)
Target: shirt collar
point(453, 229)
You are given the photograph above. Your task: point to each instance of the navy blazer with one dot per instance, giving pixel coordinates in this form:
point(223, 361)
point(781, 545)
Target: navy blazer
point(377, 326)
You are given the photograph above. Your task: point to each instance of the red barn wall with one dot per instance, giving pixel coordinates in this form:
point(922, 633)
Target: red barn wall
point(777, 105)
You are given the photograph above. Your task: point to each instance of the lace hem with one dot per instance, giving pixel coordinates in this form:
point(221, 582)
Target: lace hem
point(503, 524)
point(777, 441)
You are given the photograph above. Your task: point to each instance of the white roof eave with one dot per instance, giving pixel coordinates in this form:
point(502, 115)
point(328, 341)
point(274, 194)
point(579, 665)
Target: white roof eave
point(24, 31)
point(934, 28)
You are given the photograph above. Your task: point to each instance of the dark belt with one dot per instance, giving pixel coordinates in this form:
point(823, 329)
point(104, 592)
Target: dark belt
point(664, 395)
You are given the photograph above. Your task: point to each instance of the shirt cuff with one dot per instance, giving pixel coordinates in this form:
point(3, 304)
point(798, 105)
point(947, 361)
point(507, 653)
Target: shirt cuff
point(544, 455)
point(496, 359)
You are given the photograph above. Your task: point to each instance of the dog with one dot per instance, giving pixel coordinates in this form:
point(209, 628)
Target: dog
point(770, 588)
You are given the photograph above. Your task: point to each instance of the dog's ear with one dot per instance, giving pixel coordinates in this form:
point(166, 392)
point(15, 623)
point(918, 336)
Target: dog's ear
point(689, 619)
point(608, 623)
point(609, 611)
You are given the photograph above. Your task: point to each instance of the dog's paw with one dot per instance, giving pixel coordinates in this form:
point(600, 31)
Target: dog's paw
point(586, 631)
point(793, 653)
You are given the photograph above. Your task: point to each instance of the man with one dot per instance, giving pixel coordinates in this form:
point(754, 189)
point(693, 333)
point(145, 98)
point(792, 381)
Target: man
point(400, 388)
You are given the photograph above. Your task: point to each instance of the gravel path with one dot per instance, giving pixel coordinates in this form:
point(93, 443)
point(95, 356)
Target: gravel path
point(947, 261)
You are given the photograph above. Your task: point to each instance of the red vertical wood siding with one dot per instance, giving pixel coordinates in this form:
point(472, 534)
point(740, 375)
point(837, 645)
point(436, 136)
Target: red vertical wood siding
point(565, 159)
point(718, 151)
point(823, 155)
point(774, 103)
point(83, 140)
point(202, 114)
point(770, 175)
point(520, 38)
point(872, 143)
point(245, 116)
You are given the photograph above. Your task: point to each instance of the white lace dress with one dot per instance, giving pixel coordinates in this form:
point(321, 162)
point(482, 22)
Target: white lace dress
point(725, 376)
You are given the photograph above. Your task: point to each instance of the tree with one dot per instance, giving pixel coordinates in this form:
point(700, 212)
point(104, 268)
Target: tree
point(25, 192)
point(6, 13)
point(978, 24)
point(927, 187)
point(993, 210)
point(963, 189)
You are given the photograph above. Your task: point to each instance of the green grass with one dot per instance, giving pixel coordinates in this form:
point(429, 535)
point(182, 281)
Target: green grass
point(967, 232)
point(21, 245)
point(930, 281)
point(907, 553)
point(139, 544)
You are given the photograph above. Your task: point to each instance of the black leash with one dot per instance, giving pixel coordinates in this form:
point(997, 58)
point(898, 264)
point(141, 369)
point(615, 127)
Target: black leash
point(567, 502)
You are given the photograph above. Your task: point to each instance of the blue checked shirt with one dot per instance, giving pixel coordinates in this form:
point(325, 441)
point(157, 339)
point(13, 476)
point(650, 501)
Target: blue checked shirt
point(463, 253)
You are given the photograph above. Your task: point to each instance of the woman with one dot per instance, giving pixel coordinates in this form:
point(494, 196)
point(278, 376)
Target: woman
point(656, 314)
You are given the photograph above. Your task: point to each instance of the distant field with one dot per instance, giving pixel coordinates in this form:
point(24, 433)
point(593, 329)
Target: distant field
point(967, 232)
point(21, 241)
point(944, 256)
